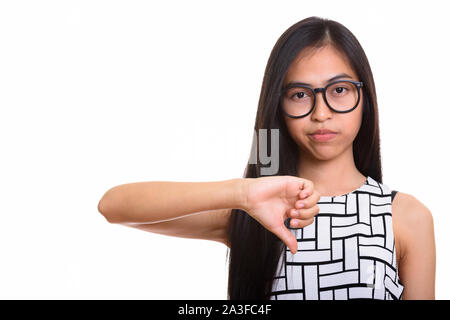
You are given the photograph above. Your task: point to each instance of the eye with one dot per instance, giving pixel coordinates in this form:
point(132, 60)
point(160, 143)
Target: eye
point(340, 89)
point(298, 95)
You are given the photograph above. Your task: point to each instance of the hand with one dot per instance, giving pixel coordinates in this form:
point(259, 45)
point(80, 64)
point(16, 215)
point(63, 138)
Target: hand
point(271, 200)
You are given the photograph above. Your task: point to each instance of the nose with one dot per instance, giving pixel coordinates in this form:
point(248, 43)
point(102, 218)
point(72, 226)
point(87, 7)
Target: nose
point(321, 110)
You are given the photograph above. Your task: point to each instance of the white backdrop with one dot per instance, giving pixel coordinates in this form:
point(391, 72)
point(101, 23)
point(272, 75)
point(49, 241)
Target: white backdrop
point(98, 93)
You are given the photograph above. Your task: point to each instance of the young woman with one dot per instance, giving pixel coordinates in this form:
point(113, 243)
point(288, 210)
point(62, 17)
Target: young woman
point(350, 240)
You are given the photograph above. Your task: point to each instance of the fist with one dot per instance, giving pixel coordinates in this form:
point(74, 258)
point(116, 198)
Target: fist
point(273, 199)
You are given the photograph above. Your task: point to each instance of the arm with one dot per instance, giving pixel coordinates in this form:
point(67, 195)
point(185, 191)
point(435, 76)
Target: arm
point(417, 266)
point(171, 208)
point(158, 201)
point(201, 209)
point(205, 225)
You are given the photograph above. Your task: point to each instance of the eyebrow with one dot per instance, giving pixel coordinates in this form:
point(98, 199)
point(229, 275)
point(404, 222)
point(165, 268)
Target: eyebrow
point(340, 75)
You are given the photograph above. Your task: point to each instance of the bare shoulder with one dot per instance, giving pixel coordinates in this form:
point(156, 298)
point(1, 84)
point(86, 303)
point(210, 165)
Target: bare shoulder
point(413, 224)
point(412, 220)
point(410, 210)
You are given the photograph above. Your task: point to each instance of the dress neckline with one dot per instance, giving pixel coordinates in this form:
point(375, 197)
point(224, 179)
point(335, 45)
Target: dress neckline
point(346, 194)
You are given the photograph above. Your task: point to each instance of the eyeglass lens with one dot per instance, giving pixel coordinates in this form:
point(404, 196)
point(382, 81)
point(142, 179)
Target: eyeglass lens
point(341, 96)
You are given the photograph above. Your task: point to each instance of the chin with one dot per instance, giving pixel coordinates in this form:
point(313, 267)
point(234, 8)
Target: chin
point(324, 157)
point(324, 151)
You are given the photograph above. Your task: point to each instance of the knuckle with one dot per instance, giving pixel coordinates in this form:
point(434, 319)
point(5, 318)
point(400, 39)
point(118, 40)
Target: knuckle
point(298, 203)
point(312, 212)
point(306, 214)
point(299, 223)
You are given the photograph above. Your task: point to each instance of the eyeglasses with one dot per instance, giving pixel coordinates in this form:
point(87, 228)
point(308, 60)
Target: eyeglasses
point(341, 96)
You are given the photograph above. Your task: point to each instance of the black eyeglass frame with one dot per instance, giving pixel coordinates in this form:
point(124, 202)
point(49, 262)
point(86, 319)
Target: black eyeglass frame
point(358, 84)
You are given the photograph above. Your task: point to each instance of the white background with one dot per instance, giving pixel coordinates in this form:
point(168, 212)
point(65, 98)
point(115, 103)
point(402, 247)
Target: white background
point(98, 93)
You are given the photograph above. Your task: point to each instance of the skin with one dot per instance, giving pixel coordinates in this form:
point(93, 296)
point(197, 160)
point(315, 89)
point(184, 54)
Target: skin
point(330, 166)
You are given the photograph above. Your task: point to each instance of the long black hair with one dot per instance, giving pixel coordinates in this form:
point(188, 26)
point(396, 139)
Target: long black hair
point(254, 251)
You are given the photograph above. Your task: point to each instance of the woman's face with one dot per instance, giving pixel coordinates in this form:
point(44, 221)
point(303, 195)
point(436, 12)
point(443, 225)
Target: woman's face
point(315, 67)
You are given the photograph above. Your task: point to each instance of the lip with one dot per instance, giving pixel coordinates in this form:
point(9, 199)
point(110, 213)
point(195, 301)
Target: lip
point(323, 131)
point(323, 137)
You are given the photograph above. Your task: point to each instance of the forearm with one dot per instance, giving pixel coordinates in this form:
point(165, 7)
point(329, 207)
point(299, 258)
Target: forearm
point(155, 201)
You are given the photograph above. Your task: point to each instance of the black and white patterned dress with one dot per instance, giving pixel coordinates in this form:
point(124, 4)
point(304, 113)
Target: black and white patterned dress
point(348, 252)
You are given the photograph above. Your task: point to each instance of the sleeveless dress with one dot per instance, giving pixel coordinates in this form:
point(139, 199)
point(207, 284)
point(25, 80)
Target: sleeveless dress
point(348, 252)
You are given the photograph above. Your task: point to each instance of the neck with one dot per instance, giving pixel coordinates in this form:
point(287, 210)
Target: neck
point(332, 176)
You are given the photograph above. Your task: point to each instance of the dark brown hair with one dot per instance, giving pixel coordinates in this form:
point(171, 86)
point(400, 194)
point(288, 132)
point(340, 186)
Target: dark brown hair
point(254, 251)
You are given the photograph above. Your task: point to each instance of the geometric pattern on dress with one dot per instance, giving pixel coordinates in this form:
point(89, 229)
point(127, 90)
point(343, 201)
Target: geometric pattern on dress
point(348, 252)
